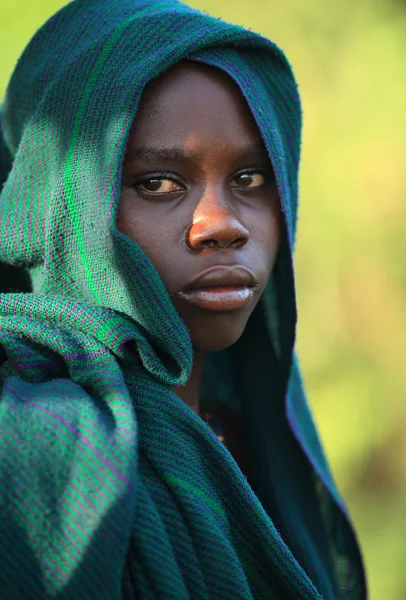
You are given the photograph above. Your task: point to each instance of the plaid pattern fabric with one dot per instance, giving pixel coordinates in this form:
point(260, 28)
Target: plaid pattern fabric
point(111, 487)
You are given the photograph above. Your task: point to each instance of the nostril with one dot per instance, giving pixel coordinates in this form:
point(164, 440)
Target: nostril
point(220, 243)
point(222, 235)
point(238, 243)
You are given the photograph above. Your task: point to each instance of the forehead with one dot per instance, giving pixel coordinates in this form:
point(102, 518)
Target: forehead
point(194, 100)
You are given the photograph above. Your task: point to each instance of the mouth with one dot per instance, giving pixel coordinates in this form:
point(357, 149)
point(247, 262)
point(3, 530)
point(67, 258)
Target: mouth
point(221, 288)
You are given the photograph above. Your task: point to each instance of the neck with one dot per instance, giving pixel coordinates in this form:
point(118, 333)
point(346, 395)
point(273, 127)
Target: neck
point(189, 392)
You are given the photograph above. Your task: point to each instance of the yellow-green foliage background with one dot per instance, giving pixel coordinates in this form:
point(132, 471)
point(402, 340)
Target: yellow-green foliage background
point(349, 58)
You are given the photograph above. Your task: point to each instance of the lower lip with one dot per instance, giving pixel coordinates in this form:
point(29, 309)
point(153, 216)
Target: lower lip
point(219, 298)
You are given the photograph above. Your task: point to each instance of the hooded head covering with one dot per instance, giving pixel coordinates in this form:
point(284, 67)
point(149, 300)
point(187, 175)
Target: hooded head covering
point(111, 486)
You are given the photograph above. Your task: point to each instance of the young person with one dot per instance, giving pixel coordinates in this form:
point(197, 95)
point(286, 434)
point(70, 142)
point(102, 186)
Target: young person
point(155, 437)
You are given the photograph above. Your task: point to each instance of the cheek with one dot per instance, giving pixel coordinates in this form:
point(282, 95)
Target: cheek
point(266, 228)
point(131, 221)
point(149, 230)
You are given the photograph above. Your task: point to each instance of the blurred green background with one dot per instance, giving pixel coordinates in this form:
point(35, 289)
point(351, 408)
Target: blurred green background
point(349, 59)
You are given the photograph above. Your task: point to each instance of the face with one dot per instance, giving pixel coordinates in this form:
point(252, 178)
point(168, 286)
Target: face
point(199, 197)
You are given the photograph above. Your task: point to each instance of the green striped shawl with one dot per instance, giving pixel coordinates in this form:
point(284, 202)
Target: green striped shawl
point(112, 487)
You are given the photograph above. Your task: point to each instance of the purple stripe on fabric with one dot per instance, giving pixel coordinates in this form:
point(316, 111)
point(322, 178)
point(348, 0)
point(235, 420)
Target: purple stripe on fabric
point(90, 317)
point(11, 219)
point(92, 449)
point(129, 336)
point(75, 307)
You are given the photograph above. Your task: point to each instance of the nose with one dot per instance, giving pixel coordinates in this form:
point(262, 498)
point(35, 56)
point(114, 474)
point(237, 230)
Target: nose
point(216, 224)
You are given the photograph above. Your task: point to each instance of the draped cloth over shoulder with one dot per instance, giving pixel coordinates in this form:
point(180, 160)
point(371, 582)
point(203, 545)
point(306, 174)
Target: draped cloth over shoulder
point(110, 486)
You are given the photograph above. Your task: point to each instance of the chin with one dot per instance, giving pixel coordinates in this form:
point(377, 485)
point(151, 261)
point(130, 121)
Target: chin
point(219, 336)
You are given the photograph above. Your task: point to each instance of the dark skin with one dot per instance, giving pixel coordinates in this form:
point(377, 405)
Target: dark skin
point(211, 200)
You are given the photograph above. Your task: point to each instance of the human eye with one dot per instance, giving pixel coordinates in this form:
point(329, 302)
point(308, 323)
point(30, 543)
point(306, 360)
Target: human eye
point(157, 185)
point(250, 178)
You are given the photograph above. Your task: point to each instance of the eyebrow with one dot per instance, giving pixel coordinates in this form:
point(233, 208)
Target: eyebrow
point(145, 154)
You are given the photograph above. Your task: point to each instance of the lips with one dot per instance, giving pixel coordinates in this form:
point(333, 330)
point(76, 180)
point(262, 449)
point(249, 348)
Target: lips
point(223, 276)
point(221, 288)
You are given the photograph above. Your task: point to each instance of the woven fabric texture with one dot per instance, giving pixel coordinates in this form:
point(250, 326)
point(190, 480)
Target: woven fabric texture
point(110, 486)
